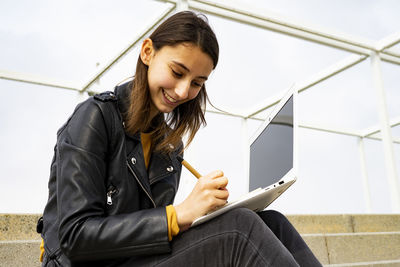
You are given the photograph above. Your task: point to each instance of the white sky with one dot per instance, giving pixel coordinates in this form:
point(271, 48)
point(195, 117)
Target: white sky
point(65, 39)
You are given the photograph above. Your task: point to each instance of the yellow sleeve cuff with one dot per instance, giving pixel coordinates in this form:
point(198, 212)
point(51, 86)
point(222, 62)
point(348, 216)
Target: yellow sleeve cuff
point(41, 251)
point(173, 227)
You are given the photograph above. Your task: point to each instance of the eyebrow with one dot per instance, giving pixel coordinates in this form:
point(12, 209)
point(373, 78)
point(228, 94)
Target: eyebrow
point(187, 69)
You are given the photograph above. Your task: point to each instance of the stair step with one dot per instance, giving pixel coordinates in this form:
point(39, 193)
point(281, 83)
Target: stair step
point(333, 250)
point(354, 247)
point(336, 240)
point(314, 224)
point(393, 263)
point(20, 253)
point(18, 226)
point(23, 226)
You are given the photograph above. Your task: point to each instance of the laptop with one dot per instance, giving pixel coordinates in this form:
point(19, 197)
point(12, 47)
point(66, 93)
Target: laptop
point(272, 161)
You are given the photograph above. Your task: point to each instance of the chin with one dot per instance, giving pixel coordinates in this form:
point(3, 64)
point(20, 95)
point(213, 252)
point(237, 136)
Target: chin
point(166, 109)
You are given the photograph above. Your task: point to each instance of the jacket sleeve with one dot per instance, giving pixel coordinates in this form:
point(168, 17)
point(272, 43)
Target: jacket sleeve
point(85, 232)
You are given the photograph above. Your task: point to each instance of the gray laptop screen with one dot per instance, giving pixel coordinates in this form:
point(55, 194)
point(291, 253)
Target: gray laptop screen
point(271, 154)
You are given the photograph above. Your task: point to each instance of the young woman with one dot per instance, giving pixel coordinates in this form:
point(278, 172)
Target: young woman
point(115, 173)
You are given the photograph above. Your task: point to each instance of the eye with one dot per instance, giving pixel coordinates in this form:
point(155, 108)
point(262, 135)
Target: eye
point(197, 84)
point(176, 74)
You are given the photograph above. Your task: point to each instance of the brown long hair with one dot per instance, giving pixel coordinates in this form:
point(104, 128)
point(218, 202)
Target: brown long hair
point(183, 27)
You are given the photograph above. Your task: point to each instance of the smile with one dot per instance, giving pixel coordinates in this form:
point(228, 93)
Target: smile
point(169, 98)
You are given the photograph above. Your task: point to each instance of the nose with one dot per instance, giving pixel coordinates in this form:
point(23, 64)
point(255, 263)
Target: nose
point(182, 90)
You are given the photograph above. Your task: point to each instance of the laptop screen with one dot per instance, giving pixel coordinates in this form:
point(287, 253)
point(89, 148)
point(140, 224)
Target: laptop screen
point(271, 153)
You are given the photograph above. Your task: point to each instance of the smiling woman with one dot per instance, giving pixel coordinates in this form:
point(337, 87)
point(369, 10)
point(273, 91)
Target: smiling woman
point(177, 57)
point(115, 173)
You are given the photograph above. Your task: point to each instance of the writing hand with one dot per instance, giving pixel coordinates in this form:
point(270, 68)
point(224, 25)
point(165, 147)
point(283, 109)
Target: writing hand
point(209, 193)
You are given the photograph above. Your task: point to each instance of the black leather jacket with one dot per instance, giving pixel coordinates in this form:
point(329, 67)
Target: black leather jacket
point(103, 204)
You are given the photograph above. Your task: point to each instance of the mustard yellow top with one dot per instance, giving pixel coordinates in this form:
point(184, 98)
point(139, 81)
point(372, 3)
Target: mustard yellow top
point(146, 145)
point(41, 251)
point(173, 227)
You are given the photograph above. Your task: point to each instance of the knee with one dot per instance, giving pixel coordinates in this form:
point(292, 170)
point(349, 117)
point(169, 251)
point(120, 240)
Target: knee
point(243, 213)
point(273, 214)
point(273, 218)
point(243, 217)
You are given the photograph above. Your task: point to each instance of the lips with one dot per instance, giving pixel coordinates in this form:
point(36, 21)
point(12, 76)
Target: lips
point(169, 99)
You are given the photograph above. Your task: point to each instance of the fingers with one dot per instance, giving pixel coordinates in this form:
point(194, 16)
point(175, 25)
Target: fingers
point(220, 182)
point(222, 194)
point(216, 183)
point(218, 203)
point(215, 174)
point(215, 179)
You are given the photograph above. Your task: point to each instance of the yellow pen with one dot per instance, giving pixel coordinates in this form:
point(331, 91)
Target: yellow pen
point(189, 167)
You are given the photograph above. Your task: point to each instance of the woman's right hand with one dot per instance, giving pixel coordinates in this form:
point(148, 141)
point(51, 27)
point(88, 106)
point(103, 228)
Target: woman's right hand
point(209, 193)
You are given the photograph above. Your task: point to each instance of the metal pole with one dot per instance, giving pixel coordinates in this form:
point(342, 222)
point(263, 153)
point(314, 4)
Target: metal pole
point(323, 75)
point(39, 80)
point(386, 131)
point(367, 194)
point(375, 129)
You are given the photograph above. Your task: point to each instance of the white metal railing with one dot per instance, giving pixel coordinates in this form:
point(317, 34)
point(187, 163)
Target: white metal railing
point(360, 47)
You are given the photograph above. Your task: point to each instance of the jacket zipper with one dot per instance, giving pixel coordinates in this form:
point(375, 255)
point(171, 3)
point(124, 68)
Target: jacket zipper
point(109, 196)
point(141, 185)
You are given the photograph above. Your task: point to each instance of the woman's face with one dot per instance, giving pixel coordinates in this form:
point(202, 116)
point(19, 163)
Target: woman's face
point(175, 73)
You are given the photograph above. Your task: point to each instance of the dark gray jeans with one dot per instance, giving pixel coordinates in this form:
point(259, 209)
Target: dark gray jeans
point(237, 238)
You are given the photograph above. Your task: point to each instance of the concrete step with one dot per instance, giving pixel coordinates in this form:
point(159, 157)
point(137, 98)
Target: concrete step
point(359, 223)
point(393, 263)
point(19, 253)
point(18, 226)
point(361, 249)
point(23, 226)
point(354, 247)
point(336, 240)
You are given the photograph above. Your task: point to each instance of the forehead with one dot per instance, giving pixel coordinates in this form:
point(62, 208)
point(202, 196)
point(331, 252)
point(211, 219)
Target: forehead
point(180, 49)
point(187, 54)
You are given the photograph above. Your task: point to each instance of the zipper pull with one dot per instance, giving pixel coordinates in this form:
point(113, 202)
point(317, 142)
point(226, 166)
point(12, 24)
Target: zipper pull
point(109, 195)
point(109, 200)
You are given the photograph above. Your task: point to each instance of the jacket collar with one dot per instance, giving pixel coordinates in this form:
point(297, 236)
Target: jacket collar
point(123, 91)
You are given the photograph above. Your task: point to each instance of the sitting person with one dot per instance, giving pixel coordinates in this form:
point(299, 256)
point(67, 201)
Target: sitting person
point(115, 173)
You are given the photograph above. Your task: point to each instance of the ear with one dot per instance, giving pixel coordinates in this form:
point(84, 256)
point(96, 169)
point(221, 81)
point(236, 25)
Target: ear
point(147, 51)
